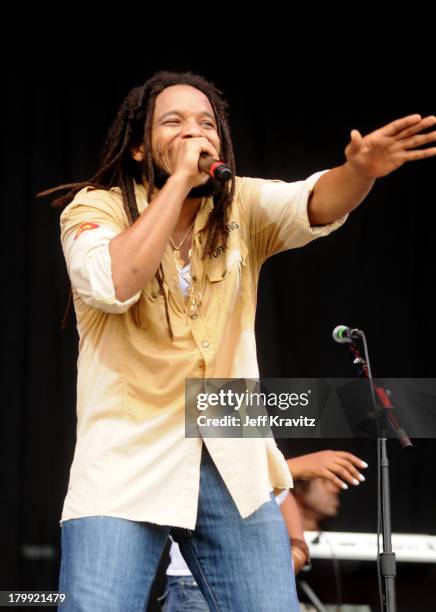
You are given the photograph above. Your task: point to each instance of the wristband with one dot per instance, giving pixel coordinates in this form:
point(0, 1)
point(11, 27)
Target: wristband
point(301, 545)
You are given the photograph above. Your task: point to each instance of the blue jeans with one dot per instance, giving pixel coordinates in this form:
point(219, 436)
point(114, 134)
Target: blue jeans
point(108, 564)
point(183, 595)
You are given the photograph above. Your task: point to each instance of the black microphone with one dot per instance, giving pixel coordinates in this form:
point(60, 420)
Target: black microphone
point(344, 334)
point(216, 168)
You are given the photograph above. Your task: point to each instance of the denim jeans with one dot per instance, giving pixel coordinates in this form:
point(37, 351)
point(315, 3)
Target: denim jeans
point(241, 565)
point(183, 595)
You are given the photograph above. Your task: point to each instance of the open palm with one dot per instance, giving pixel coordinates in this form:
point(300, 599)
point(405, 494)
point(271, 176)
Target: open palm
point(386, 149)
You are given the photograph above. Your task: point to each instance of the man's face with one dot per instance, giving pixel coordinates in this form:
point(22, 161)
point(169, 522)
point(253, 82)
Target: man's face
point(181, 111)
point(322, 498)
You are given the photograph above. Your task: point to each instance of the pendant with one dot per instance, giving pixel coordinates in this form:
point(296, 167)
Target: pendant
point(193, 301)
point(179, 261)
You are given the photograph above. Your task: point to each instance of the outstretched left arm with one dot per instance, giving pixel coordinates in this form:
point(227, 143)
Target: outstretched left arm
point(379, 153)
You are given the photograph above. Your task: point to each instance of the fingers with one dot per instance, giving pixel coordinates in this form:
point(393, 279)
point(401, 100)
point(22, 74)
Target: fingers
point(340, 484)
point(348, 472)
point(422, 154)
point(418, 127)
point(338, 466)
point(207, 147)
point(184, 157)
point(356, 141)
point(417, 141)
point(344, 466)
point(339, 476)
point(355, 460)
point(397, 126)
point(197, 143)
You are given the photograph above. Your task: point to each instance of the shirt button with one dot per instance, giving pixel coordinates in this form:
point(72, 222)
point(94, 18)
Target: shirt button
point(205, 344)
point(194, 316)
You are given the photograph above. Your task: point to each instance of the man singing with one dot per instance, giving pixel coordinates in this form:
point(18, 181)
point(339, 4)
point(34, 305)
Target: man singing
point(164, 264)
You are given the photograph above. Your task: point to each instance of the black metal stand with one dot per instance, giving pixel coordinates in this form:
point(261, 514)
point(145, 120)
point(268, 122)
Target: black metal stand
point(385, 417)
point(386, 557)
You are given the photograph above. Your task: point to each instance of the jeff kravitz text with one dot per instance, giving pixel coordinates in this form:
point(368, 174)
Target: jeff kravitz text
point(258, 421)
point(241, 403)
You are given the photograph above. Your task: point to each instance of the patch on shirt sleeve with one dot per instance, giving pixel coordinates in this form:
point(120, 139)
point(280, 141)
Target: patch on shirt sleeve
point(84, 227)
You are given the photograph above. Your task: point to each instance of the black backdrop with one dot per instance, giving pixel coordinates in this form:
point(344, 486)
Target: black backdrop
point(288, 120)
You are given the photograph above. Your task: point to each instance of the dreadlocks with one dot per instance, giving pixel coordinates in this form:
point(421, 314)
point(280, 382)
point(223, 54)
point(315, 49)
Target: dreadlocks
point(131, 128)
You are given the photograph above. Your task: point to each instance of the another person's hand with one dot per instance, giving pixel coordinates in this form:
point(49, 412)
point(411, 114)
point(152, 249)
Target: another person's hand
point(336, 466)
point(386, 149)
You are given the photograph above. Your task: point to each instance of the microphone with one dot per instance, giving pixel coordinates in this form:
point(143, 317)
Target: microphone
point(344, 334)
point(216, 168)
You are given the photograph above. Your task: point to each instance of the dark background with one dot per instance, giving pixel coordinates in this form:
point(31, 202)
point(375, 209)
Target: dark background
point(290, 116)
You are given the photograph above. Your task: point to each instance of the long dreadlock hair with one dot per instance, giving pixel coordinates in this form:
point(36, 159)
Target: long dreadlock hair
point(132, 127)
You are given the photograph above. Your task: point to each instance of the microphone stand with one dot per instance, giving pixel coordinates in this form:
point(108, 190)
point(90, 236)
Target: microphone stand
point(386, 562)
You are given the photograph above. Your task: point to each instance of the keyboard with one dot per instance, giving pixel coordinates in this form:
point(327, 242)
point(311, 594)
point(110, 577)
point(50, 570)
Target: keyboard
point(353, 546)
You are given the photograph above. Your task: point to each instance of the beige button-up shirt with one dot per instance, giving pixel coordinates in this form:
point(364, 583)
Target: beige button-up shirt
point(132, 459)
